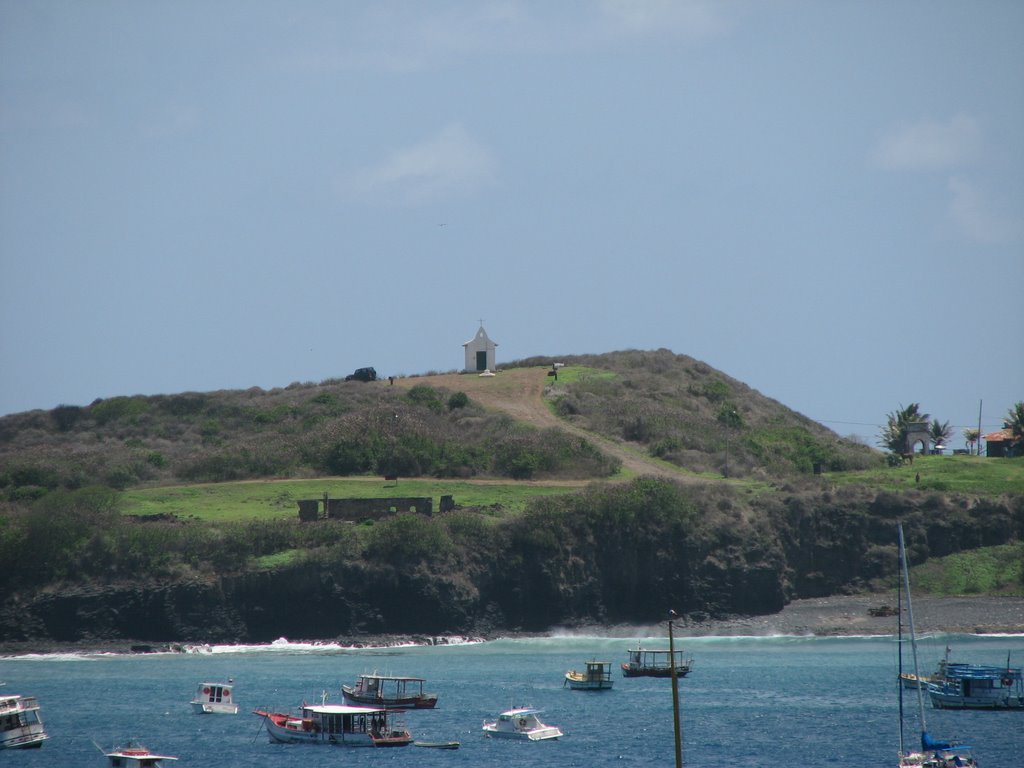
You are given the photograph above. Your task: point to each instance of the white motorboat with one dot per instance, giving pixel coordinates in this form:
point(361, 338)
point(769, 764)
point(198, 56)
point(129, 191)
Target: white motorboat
point(134, 755)
point(20, 724)
point(215, 699)
point(521, 723)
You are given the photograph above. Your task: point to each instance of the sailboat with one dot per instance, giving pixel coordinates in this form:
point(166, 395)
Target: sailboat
point(934, 753)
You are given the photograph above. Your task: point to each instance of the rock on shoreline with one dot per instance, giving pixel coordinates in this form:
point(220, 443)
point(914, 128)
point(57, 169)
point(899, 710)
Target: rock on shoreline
point(875, 615)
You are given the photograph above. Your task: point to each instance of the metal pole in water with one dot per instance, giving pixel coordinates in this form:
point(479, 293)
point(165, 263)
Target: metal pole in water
point(675, 692)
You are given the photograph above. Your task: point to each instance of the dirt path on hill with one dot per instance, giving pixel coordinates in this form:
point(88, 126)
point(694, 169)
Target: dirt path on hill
point(519, 392)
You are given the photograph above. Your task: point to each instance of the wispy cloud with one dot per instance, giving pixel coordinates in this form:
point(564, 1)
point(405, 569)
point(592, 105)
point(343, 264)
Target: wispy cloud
point(449, 163)
point(975, 216)
point(930, 145)
point(690, 18)
point(952, 146)
point(415, 37)
point(169, 120)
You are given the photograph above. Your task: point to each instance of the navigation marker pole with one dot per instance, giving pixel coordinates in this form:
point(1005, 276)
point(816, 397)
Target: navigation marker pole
point(675, 692)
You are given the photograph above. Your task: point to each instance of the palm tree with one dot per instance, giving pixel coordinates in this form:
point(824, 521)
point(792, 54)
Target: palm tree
point(1014, 422)
point(894, 434)
point(940, 433)
point(971, 435)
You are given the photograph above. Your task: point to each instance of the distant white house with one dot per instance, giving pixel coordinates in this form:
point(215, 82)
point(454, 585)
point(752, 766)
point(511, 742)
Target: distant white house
point(480, 352)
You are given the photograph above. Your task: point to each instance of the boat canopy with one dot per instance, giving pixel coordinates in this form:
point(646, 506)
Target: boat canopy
point(375, 676)
point(341, 709)
point(982, 672)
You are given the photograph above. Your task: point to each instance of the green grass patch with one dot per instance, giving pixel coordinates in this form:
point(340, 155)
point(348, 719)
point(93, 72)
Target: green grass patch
point(278, 559)
point(987, 571)
point(225, 502)
point(576, 374)
point(953, 474)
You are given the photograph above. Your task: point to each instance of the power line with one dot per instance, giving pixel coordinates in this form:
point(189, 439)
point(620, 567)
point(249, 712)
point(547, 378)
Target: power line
point(879, 426)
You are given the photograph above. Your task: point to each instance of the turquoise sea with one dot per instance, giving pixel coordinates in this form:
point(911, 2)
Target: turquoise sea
point(765, 701)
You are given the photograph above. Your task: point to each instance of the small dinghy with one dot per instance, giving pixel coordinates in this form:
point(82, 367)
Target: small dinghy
point(437, 744)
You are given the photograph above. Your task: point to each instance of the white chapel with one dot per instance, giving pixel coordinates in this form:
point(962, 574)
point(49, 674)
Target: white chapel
point(480, 352)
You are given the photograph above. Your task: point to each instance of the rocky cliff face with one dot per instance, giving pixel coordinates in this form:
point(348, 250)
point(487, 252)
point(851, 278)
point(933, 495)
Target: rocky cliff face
point(583, 568)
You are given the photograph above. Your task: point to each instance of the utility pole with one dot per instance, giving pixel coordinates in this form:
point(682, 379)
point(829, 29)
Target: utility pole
point(979, 427)
point(675, 692)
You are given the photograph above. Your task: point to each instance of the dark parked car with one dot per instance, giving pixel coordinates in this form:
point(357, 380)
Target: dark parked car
point(362, 374)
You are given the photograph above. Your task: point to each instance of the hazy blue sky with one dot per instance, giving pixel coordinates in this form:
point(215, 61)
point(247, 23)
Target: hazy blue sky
point(822, 199)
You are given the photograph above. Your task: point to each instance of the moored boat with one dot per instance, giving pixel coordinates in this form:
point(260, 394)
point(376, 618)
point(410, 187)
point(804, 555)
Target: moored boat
point(391, 691)
point(644, 662)
point(337, 724)
point(21, 727)
point(134, 755)
point(977, 686)
point(437, 744)
point(597, 676)
point(521, 723)
point(215, 699)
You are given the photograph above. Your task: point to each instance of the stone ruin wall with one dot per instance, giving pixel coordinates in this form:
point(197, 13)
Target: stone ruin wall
point(358, 510)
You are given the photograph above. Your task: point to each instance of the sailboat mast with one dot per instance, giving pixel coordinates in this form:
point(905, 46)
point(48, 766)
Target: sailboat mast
point(910, 619)
point(899, 645)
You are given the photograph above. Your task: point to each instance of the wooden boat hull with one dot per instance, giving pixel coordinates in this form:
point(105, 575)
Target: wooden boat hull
point(426, 701)
point(628, 671)
point(590, 686)
point(437, 744)
point(578, 684)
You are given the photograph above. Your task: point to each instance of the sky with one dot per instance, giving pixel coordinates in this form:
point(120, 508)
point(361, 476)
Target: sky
point(821, 198)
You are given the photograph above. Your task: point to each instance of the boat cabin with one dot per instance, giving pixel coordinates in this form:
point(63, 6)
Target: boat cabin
point(215, 698)
point(20, 724)
point(598, 671)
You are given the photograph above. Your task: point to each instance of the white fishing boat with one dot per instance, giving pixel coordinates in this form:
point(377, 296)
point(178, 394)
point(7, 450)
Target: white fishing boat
point(215, 699)
point(134, 755)
point(933, 753)
point(596, 676)
point(338, 724)
point(20, 724)
point(521, 723)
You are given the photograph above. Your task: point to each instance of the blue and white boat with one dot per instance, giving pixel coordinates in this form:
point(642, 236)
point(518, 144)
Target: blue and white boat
point(977, 686)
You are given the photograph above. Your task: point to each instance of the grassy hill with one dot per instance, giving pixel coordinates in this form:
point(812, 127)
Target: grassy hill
point(618, 414)
point(630, 481)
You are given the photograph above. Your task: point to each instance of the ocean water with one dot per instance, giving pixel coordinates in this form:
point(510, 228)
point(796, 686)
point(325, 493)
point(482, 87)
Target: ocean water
point(797, 701)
